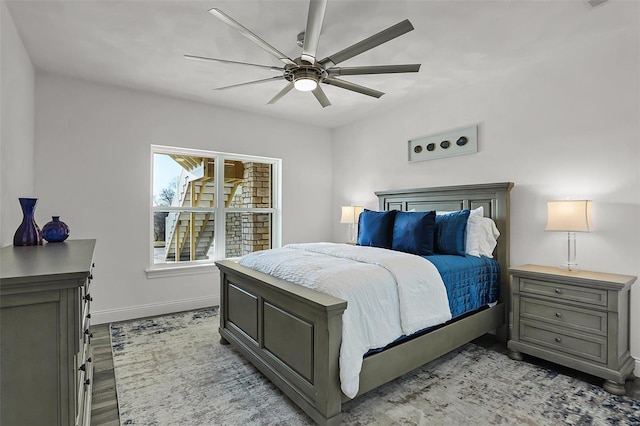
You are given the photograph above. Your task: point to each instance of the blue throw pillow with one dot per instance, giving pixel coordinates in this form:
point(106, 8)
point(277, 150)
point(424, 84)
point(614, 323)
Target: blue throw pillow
point(375, 228)
point(450, 233)
point(413, 232)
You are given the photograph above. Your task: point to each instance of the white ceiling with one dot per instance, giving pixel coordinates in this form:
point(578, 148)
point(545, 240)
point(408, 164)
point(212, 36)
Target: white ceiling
point(140, 44)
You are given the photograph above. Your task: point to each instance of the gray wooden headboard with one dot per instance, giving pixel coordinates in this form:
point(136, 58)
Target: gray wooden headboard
point(494, 197)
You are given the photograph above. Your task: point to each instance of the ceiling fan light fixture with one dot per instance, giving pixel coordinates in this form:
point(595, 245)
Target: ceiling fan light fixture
point(305, 84)
point(305, 80)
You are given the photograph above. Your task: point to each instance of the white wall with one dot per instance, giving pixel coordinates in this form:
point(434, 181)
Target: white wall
point(568, 127)
point(93, 167)
point(16, 126)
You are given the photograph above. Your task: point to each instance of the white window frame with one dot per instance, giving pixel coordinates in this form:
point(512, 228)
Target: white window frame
point(219, 212)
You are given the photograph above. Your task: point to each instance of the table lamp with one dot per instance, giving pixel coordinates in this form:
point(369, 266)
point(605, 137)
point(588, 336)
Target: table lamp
point(350, 215)
point(569, 216)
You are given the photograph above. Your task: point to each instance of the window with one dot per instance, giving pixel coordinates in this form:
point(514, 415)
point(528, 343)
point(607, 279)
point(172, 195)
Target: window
point(202, 212)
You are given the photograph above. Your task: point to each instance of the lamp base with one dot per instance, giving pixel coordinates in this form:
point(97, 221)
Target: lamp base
point(570, 266)
point(353, 233)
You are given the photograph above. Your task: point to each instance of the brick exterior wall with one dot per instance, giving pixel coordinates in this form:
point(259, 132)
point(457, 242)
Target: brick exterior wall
point(249, 232)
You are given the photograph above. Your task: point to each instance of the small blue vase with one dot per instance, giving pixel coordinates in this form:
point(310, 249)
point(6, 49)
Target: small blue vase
point(55, 231)
point(28, 233)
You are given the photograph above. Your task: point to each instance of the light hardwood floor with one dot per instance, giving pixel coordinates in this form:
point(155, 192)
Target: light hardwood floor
point(104, 409)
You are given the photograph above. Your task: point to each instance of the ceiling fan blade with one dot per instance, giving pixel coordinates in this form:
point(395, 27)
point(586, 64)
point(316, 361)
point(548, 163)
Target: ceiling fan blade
point(280, 94)
point(353, 87)
point(264, 80)
point(251, 36)
point(321, 97)
point(225, 61)
point(312, 32)
point(374, 69)
point(368, 43)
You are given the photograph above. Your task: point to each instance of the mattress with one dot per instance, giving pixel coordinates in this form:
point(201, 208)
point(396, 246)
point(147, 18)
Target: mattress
point(472, 284)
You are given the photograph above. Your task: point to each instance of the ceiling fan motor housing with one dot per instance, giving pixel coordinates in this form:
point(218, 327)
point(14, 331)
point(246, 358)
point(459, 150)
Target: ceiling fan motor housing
point(309, 72)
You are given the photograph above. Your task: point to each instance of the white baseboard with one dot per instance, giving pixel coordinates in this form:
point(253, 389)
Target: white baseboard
point(154, 309)
point(636, 370)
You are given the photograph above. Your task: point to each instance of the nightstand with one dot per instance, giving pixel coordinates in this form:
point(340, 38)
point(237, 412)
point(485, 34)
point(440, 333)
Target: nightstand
point(579, 319)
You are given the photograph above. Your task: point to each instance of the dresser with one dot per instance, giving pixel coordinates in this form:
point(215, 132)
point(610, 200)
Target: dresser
point(45, 343)
point(579, 319)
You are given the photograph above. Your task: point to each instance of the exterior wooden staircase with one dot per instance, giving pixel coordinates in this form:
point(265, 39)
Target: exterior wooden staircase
point(191, 234)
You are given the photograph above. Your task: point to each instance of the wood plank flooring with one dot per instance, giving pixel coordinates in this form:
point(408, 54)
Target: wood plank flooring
point(104, 409)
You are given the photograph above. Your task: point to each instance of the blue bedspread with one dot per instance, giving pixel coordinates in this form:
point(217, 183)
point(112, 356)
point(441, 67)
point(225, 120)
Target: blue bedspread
point(471, 282)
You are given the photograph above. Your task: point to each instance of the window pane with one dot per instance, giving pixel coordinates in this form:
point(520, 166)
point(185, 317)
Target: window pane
point(188, 236)
point(182, 180)
point(191, 187)
point(254, 190)
point(247, 232)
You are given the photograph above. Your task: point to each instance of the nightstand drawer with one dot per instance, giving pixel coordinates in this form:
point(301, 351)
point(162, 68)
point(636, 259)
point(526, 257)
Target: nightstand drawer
point(564, 316)
point(586, 295)
point(591, 348)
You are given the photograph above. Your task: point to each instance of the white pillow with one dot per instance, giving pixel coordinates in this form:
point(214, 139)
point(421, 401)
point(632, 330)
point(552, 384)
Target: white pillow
point(474, 232)
point(488, 237)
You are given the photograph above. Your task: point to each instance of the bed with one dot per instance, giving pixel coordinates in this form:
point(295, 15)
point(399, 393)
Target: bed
point(292, 334)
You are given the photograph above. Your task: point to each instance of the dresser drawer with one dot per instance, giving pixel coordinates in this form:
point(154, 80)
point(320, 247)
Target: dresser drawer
point(86, 315)
point(81, 404)
point(86, 419)
point(589, 321)
point(84, 389)
point(85, 357)
point(584, 295)
point(86, 331)
point(592, 348)
point(81, 396)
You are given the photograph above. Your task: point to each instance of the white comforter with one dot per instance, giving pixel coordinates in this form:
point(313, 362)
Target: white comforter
point(389, 293)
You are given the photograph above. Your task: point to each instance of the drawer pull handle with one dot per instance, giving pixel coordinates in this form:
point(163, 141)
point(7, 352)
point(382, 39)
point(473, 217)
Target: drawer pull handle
point(558, 340)
point(558, 291)
point(559, 314)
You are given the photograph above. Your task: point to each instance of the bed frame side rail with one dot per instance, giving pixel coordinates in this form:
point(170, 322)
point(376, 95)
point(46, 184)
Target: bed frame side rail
point(382, 367)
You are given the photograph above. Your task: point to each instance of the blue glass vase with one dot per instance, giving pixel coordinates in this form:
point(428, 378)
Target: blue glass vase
point(28, 233)
point(55, 231)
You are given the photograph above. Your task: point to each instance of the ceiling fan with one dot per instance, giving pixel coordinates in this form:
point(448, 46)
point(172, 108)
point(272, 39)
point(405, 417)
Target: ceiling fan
point(305, 73)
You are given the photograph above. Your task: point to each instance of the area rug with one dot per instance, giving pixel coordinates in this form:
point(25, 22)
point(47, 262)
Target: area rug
point(171, 370)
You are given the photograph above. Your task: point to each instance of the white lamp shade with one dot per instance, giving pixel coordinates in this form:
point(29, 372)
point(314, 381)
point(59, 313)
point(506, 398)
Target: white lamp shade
point(350, 214)
point(569, 216)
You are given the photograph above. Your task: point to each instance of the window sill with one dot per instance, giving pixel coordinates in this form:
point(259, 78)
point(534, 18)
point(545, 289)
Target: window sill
point(176, 271)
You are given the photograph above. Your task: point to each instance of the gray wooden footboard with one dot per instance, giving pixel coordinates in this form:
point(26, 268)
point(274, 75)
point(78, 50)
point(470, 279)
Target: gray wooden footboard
point(292, 334)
